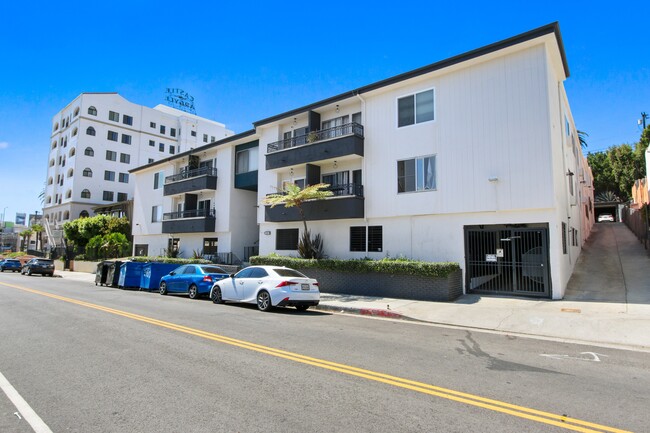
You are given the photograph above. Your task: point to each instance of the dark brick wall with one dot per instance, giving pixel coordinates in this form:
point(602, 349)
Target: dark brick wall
point(388, 285)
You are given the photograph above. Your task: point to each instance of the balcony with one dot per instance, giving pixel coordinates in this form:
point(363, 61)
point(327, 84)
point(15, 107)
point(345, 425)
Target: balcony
point(316, 146)
point(347, 202)
point(191, 180)
point(189, 221)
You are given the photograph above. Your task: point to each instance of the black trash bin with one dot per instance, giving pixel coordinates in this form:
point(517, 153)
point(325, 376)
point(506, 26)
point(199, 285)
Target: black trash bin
point(113, 274)
point(101, 273)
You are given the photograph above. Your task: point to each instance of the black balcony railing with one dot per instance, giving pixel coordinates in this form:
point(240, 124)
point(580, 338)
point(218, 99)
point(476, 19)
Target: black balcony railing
point(185, 173)
point(339, 190)
point(194, 213)
point(316, 136)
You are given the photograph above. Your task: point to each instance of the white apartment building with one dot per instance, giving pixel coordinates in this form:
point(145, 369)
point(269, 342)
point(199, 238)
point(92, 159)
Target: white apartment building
point(474, 159)
point(200, 202)
point(98, 137)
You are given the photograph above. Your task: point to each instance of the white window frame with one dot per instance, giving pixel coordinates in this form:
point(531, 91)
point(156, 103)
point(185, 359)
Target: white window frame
point(435, 174)
point(415, 122)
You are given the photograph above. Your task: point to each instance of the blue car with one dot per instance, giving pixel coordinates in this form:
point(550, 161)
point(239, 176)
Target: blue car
point(10, 265)
point(195, 280)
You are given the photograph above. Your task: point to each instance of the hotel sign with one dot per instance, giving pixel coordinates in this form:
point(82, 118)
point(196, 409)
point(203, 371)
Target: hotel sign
point(180, 99)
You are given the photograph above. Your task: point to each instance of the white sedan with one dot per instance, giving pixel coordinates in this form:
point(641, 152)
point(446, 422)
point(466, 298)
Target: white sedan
point(268, 286)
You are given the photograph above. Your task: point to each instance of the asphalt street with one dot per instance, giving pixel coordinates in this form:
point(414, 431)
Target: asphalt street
point(98, 359)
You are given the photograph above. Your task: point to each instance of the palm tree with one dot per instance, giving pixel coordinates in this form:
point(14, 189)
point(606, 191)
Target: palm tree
point(38, 229)
point(25, 234)
point(293, 196)
point(582, 136)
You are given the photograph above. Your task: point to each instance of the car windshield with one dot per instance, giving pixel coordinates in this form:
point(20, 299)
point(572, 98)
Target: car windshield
point(286, 272)
point(213, 270)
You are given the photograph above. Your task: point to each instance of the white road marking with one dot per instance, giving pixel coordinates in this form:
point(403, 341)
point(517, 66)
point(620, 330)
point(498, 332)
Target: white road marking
point(594, 356)
point(23, 408)
point(18, 415)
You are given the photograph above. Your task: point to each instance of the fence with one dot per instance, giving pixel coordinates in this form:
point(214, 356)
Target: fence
point(637, 221)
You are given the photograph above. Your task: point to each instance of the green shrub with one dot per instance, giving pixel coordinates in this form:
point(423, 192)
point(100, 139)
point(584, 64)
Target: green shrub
point(17, 254)
point(162, 259)
point(362, 266)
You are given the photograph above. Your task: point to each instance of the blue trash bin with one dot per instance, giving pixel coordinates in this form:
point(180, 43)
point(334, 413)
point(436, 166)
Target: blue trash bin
point(152, 273)
point(130, 274)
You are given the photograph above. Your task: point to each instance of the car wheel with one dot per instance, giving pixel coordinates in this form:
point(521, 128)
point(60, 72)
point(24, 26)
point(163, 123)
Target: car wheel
point(29, 271)
point(193, 291)
point(163, 288)
point(264, 301)
point(216, 295)
point(302, 307)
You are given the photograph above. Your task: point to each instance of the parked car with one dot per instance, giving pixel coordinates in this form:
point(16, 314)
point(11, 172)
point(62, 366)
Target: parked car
point(606, 217)
point(38, 265)
point(195, 280)
point(10, 265)
point(268, 286)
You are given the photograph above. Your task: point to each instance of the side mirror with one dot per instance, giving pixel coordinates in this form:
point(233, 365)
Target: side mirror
point(172, 273)
point(232, 275)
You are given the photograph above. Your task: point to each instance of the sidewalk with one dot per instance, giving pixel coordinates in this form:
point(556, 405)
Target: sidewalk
point(607, 301)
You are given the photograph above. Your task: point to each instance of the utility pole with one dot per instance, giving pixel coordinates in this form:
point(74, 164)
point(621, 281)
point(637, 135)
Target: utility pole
point(644, 116)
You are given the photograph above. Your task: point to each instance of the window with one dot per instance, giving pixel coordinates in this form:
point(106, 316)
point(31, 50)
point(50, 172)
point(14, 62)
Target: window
point(50, 181)
point(56, 127)
point(92, 111)
point(172, 149)
point(108, 196)
point(356, 118)
point(141, 250)
point(417, 174)
point(127, 120)
point(210, 245)
point(125, 158)
point(564, 240)
point(54, 144)
point(193, 133)
point(122, 196)
point(124, 178)
point(205, 138)
point(152, 143)
point(89, 151)
point(85, 194)
point(112, 135)
point(76, 112)
point(152, 124)
point(72, 152)
point(112, 115)
point(246, 160)
point(156, 214)
point(68, 193)
point(158, 180)
point(374, 239)
point(415, 108)
point(161, 147)
point(172, 132)
point(52, 162)
point(212, 139)
point(111, 156)
point(162, 129)
point(150, 160)
point(358, 239)
point(83, 214)
point(74, 131)
point(70, 173)
point(87, 172)
point(286, 239)
point(109, 175)
point(126, 139)
point(90, 131)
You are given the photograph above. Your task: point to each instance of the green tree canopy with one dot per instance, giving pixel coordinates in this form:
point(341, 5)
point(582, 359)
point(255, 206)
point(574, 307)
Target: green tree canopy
point(82, 230)
point(617, 169)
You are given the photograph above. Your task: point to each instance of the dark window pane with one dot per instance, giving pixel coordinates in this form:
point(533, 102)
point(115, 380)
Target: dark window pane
point(375, 238)
point(406, 111)
point(424, 106)
point(358, 238)
point(286, 239)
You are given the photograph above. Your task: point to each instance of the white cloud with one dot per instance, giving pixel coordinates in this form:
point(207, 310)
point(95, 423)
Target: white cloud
point(3, 145)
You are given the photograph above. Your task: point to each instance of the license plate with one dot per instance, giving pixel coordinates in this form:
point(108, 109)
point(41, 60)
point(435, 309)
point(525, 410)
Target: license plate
point(305, 286)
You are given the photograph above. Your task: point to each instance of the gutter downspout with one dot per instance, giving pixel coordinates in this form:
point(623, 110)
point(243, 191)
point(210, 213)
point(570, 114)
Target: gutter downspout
point(564, 171)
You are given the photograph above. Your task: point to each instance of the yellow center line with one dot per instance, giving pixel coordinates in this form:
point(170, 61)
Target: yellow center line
point(424, 388)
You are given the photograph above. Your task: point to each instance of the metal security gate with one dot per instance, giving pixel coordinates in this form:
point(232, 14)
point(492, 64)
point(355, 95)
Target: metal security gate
point(508, 259)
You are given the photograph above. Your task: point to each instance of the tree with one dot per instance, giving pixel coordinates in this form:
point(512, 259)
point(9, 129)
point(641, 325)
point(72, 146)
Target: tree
point(619, 167)
point(80, 231)
point(38, 229)
point(603, 172)
point(26, 235)
point(293, 196)
point(582, 136)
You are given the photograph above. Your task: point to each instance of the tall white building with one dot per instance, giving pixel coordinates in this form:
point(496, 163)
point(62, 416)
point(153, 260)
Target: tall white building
point(98, 137)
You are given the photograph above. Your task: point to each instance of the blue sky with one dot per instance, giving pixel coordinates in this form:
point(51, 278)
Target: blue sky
point(245, 61)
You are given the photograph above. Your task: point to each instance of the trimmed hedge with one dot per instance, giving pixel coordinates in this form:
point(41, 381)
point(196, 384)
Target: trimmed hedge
point(385, 266)
point(176, 261)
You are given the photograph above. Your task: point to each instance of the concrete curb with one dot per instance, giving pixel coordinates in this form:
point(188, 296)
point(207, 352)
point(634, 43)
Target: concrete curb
point(374, 312)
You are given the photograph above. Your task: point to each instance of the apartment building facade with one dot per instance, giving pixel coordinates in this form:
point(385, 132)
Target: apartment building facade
point(98, 137)
point(474, 159)
point(201, 202)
